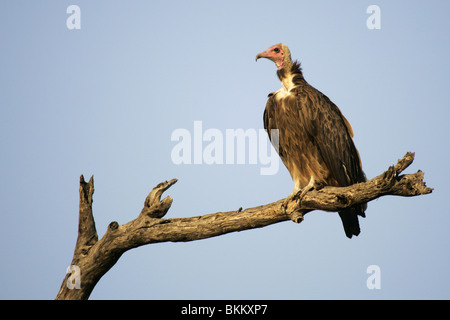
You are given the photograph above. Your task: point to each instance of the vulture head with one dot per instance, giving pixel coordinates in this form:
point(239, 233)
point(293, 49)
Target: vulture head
point(279, 54)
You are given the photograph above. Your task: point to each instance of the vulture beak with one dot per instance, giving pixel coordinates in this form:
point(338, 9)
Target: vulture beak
point(264, 54)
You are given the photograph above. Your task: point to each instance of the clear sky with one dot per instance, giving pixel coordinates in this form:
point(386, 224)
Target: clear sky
point(105, 99)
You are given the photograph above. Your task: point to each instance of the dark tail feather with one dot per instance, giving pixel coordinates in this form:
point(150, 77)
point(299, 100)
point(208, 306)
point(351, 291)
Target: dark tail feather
point(350, 221)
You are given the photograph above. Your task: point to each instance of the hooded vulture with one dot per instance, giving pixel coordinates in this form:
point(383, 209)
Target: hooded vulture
point(314, 139)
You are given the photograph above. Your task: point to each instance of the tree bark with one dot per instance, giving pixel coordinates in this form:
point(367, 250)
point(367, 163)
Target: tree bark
point(93, 258)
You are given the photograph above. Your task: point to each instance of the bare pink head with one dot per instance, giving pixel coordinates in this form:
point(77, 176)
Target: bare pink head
point(279, 54)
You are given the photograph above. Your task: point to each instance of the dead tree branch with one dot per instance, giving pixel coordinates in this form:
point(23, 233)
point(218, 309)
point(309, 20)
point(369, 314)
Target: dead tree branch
point(93, 257)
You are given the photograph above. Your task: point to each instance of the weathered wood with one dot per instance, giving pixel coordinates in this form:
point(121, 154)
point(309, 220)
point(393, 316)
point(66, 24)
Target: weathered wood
point(95, 257)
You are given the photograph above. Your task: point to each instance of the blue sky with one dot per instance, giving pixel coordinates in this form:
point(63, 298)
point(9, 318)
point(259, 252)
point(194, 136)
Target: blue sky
point(104, 100)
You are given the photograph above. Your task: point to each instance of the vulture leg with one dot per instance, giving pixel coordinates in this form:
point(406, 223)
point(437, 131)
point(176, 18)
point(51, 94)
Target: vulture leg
point(299, 193)
point(290, 198)
point(309, 187)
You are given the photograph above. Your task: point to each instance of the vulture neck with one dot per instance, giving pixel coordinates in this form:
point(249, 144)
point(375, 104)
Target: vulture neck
point(291, 75)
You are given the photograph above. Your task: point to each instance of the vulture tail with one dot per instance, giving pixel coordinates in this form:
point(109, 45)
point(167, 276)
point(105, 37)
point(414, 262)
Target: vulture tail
point(350, 221)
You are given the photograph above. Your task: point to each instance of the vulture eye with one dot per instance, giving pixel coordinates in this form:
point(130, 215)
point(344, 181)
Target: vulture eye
point(276, 50)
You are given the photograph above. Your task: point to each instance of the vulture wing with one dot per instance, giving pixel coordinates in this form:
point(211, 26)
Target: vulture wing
point(333, 135)
point(316, 140)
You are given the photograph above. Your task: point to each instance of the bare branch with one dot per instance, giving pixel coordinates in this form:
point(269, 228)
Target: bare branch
point(95, 257)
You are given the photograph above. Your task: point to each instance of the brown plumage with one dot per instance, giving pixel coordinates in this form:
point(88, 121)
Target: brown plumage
point(314, 138)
